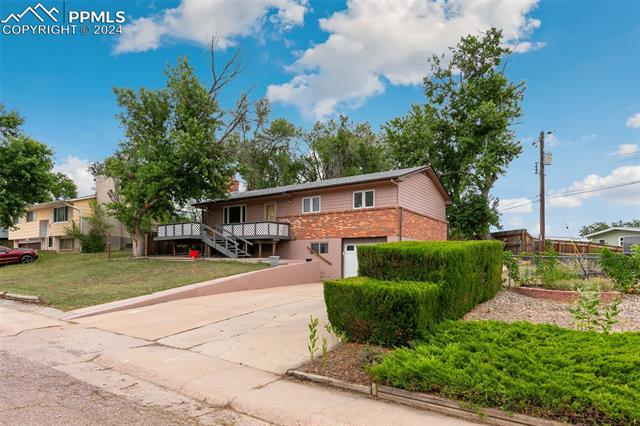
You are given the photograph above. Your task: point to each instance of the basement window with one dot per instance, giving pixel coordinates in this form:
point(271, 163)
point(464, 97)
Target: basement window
point(322, 248)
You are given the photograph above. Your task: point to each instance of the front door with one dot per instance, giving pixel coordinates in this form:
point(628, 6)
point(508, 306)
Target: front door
point(44, 228)
point(270, 212)
point(350, 260)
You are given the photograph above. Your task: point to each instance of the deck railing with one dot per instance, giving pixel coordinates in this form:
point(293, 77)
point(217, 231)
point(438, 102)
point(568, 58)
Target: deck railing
point(247, 230)
point(264, 229)
point(180, 230)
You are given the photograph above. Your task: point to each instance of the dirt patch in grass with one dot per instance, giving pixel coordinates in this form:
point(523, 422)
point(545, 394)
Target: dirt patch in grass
point(346, 362)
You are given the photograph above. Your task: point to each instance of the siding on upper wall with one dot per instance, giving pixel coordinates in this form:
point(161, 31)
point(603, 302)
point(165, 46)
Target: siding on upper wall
point(331, 200)
point(418, 192)
point(31, 230)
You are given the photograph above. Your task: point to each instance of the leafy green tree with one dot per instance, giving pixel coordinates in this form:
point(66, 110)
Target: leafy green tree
point(594, 227)
point(338, 149)
point(268, 153)
point(26, 171)
point(176, 148)
point(464, 129)
point(601, 226)
point(95, 240)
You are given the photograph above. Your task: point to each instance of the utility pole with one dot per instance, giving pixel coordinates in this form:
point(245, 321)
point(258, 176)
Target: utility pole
point(545, 160)
point(542, 192)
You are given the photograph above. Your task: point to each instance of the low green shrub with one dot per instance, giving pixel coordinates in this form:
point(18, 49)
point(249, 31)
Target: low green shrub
point(542, 370)
point(623, 269)
point(381, 312)
point(468, 272)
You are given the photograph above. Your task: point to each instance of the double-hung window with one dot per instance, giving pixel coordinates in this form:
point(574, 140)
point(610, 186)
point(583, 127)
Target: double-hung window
point(311, 204)
point(61, 214)
point(364, 199)
point(31, 216)
point(234, 214)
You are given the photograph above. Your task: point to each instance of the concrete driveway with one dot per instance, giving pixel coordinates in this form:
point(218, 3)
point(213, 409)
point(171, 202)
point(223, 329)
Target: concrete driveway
point(227, 351)
point(264, 329)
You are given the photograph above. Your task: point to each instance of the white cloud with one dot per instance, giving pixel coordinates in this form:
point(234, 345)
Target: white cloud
point(78, 171)
point(634, 121)
point(374, 43)
point(627, 149)
point(622, 195)
point(199, 20)
point(515, 205)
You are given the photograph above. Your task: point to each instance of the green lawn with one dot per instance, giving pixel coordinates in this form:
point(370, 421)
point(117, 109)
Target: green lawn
point(70, 281)
point(543, 370)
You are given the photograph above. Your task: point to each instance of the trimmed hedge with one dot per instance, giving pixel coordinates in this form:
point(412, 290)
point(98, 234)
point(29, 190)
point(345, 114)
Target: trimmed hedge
point(381, 312)
point(541, 370)
point(469, 272)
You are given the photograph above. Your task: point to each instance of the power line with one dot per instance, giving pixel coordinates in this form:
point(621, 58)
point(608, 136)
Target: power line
point(570, 193)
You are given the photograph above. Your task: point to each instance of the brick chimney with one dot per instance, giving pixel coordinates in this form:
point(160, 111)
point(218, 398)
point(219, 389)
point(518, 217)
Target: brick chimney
point(234, 184)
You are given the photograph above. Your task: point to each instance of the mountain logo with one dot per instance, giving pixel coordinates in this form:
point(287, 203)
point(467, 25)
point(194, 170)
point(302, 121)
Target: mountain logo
point(33, 11)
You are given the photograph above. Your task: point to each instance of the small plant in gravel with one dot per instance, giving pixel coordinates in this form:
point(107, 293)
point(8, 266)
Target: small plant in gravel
point(512, 264)
point(590, 314)
point(313, 336)
point(333, 332)
point(370, 355)
point(325, 351)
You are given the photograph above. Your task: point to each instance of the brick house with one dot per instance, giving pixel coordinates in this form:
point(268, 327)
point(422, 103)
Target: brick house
point(325, 219)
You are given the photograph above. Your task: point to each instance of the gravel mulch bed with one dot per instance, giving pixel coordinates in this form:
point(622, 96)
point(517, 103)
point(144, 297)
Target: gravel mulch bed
point(346, 362)
point(510, 306)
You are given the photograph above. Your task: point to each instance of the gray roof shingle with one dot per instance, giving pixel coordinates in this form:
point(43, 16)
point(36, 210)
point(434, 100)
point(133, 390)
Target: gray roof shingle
point(349, 180)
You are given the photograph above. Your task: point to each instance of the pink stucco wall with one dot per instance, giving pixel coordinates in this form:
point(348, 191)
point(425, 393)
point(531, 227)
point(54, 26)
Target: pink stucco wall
point(298, 249)
point(292, 274)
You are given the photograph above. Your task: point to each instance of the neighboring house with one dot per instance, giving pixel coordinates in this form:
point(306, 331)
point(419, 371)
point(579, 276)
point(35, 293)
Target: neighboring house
point(613, 236)
point(325, 219)
point(4, 234)
point(43, 226)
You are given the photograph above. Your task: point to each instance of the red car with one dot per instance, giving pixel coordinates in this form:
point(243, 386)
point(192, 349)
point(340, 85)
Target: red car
point(17, 255)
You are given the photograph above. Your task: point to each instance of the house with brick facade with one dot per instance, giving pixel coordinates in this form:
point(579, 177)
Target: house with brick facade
point(326, 220)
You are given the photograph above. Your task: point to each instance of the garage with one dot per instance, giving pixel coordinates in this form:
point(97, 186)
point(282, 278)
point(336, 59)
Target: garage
point(350, 253)
point(32, 246)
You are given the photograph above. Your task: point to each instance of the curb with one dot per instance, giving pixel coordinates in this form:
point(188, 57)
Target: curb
point(424, 401)
point(21, 297)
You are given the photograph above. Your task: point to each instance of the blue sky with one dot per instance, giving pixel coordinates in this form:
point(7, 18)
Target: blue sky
point(580, 61)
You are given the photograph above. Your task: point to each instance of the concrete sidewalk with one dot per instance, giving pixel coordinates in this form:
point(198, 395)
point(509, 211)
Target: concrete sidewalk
point(228, 351)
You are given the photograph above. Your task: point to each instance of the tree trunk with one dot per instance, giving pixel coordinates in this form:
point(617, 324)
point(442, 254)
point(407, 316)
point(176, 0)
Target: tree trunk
point(138, 243)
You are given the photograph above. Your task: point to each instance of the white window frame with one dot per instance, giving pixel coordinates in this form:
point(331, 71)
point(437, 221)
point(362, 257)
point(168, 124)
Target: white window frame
point(364, 199)
point(73, 243)
point(26, 216)
point(311, 204)
point(225, 213)
point(320, 243)
point(67, 208)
